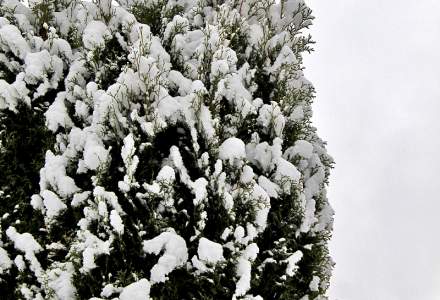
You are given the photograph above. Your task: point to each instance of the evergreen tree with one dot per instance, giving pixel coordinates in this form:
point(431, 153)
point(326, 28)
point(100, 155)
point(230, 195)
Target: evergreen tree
point(160, 149)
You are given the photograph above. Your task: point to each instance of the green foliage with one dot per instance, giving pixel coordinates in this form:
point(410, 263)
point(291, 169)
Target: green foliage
point(154, 14)
point(43, 12)
point(219, 219)
point(126, 264)
point(196, 116)
point(186, 286)
point(6, 73)
point(106, 62)
point(150, 15)
point(74, 38)
point(24, 140)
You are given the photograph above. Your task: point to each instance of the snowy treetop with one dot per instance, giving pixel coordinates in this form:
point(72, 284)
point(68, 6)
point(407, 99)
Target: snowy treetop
point(184, 155)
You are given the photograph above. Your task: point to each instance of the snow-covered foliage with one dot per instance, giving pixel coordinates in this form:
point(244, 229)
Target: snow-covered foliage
point(160, 150)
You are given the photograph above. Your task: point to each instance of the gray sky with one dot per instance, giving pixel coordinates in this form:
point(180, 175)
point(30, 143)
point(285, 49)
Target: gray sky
point(377, 73)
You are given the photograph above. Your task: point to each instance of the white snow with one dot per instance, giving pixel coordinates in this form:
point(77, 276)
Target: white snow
point(9, 96)
point(110, 197)
point(231, 87)
point(247, 174)
point(131, 162)
point(60, 281)
point(158, 53)
point(209, 251)
point(199, 265)
point(231, 149)
point(188, 43)
point(250, 297)
point(139, 290)
point(53, 175)
point(264, 155)
point(95, 34)
point(297, 114)
point(312, 184)
point(271, 118)
point(312, 187)
point(61, 47)
point(5, 261)
point(224, 53)
point(228, 201)
point(19, 263)
point(199, 189)
point(292, 261)
point(301, 148)
point(37, 202)
point(239, 233)
point(272, 189)
point(244, 268)
point(116, 222)
point(80, 198)
point(286, 174)
point(309, 215)
point(251, 230)
point(314, 284)
point(54, 206)
point(128, 149)
point(91, 247)
point(177, 25)
point(286, 58)
point(56, 115)
point(175, 254)
point(109, 289)
point(102, 208)
point(166, 174)
point(94, 153)
point(23, 242)
point(177, 80)
point(4, 21)
point(256, 34)
point(207, 122)
point(81, 109)
point(76, 143)
point(244, 273)
point(254, 173)
point(219, 68)
point(263, 206)
point(325, 218)
point(11, 39)
point(226, 233)
point(38, 64)
point(26, 243)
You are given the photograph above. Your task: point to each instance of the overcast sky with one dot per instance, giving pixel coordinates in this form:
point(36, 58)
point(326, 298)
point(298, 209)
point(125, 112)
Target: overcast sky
point(377, 73)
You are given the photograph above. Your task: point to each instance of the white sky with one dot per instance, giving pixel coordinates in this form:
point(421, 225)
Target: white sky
point(377, 73)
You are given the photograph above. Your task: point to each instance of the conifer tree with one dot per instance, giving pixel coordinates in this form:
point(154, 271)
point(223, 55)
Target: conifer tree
point(155, 149)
